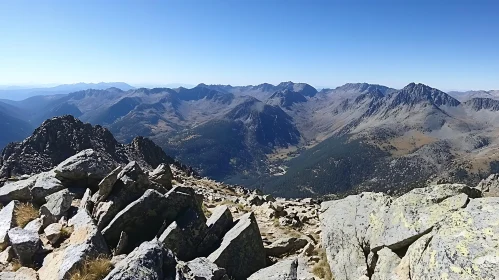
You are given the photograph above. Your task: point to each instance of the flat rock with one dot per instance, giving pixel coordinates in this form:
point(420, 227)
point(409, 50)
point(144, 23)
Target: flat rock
point(144, 262)
point(285, 245)
point(86, 164)
point(283, 270)
point(7, 221)
point(241, 252)
point(200, 269)
point(25, 244)
point(85, 242)
point(20, 190)
point(22, 273)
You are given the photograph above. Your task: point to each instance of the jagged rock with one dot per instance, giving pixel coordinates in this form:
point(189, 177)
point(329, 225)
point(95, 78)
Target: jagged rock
point(218, 224)
point(200, 269)
point(143, 218)
point(290, 269)
point(345, 224)
point(20, 190)
point(122, 243)
point(25, 244)
point(85, 242)
point(285, 245)
point(57, 206)
point(385, 265)
point(462, 246)
point(87, 166)
point(489, 186)
point(184, 235)
point(35, 225)
point(7, 221)
point(53, 232)
point(162, 175)
point(241, 252)
point(413, 214)
point(6, 255)
point(255, 200)
point(145, 262)
point(268, 198)
point(46, 184)
point(86, 201)
point(131, 184)
point(23, 273)
point(106, 185)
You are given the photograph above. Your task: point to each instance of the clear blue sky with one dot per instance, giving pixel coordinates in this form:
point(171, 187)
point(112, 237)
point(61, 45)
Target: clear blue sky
point(446, 44)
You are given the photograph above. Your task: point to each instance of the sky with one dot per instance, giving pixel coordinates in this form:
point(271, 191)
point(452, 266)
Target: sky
point(451, 45)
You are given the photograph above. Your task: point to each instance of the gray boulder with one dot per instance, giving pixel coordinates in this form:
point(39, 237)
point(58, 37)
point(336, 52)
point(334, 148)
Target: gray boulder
point(86, 201)
point(23, 273)
point(217, 224)
point(53, 232)
point(184, 235)
point(285, 245)
point(85, 242)
point(46, 184)
point(35, 225)
point(131, 184)
point(200, 269)
point(489, 186)
point(25, 244)
point(386, 263)
point(144, 263)
point(106, 185)
point(85, 166)
point(162, 175)
point(6, 255)
point(57, 206)
point(7, 221)
point(20, 190)
point(241, 252)
point(143, 218)
point(283, 270)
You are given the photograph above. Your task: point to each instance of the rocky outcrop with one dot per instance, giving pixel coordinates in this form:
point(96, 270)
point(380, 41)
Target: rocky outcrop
point(489, 186)
point(241, 252)
point(438, 232)
point(200, 269)
point(59, 138)
point(56, 207)
point(25, 244)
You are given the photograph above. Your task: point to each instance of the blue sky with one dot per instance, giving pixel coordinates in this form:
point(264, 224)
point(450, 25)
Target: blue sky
point(445, 44)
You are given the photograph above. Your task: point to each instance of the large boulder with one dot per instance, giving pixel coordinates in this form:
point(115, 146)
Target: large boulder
point(241, 252)
point(25, 244)
point(285, 245)
point(20, 190)
point(106, 185)
point(86, 167)
point(413, 214)
point(46, 184)
point(489, 186)
point(145, 262)
point(131, 184)
point(7, 221)
point(142, 219)
point(200, 269)
point(386, 263)
point(57, 206)
point(162, 175)
point(184, 235)
point(85, 242)
point(217, 225)
point(345, 224)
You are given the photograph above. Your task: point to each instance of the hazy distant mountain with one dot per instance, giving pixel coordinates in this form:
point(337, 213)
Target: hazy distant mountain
point(467, 95)
point(291, 139)
point(17, 94)
point(12, 128)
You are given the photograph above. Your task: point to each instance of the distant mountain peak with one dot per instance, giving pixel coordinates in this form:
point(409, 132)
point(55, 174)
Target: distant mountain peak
point(416, 93)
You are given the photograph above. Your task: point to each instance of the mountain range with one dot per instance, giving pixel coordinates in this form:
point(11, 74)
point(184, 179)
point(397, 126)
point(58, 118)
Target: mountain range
point(291, 139)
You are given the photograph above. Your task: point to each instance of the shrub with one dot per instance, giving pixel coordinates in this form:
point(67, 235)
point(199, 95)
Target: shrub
point(93, 269)
point(25, 213)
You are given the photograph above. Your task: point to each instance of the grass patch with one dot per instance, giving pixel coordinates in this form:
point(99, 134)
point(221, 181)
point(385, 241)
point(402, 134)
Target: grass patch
point(93, 269)
point(16, 265)
point(321, 269)
point(25, 213)
point(66, 232)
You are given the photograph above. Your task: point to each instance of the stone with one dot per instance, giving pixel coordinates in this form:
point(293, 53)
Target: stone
point(122, 243)
point(414, 214)
point(46, 184)
point(23, 273)
point(217, 224)
point(283, 270)
point(6, 255)
point(7, 221)
point(35, 225)
point(489, 186)
point(463, 246)
point(25, 244)
point(144, 262)
point(255, 199)
point(131, 184)
point(285, 245)
point(184, 235)
point(268, 198)
point(117, 258)
point(85, 166)
point(53, 232)
point(20, 190)
point(200, 269)
point(241, 252)
point(86, 201)
point(345, 225)
point(85, 242)
point(162, 175)
point(142, 219)
point(57, 206)
point(106, 185)
point(386, 263)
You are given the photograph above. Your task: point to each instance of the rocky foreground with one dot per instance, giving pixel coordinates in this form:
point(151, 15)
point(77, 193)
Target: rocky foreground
point(136, 214)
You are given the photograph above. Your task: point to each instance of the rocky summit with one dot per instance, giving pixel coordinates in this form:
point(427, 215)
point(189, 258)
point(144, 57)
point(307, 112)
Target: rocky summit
point(135, 214)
